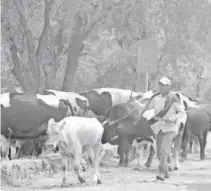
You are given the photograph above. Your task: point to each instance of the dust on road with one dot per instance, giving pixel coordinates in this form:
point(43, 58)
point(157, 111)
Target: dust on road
point(193, 174)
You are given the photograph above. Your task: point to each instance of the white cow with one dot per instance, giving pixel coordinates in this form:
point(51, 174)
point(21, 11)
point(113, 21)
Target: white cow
point(75, 135)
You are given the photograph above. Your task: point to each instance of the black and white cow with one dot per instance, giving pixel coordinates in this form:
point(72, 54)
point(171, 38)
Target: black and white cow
point(78, 103)
point(23, 114)
point(101, 99)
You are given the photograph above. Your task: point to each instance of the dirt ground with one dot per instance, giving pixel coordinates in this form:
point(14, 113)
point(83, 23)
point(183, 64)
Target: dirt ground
point(192, 175)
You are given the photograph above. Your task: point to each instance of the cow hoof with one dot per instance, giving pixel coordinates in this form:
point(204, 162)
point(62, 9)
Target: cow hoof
point(137, 169)
point(175, 168)
point(182, 160)
point(170, 168)
point(121, 164)
point(63, 182)
point(148, 165)
point(84, 168)
point(99, 181)
point(81, 180)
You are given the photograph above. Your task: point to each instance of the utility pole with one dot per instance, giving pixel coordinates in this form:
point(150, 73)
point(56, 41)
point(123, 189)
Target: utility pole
point(146, 75)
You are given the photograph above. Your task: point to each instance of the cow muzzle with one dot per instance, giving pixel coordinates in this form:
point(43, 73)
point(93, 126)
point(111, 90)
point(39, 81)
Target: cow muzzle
point(53, 147)
point(108, 123)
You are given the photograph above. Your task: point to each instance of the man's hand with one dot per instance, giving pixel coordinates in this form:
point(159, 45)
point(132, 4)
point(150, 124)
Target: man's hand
point(171, 120)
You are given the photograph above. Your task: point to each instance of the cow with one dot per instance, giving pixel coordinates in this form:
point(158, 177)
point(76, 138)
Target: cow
point(128, 123)
point(138, 148)
point(73, 136)
point(198, 121)
point(193, 144)
point(23, 114)
point(101, 99)
point(79, 104)
point(5, 144)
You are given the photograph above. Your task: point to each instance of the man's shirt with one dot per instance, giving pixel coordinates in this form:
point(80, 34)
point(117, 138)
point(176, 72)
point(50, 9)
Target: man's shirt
point(175, 113)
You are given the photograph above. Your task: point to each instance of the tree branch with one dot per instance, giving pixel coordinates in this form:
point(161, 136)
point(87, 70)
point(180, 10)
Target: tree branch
point(42, 42)
point(102, 15)
point(29, 41)
point(16, 70)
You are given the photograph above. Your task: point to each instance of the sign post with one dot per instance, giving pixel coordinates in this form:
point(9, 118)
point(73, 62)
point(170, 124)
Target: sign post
point(147, 62)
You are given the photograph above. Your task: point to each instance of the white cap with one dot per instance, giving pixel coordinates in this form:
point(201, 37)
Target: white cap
point(165, 81)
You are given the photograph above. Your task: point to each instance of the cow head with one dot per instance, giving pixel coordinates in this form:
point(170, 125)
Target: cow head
point(82, 104)
point(62, 111)
point(109, 131)
point(54, 133)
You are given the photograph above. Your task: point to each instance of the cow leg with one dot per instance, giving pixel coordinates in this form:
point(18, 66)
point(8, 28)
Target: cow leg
point(91, 156)
point(76, 163)
point(9, 154)
point(196, 145)
point(205, 140)
point(201, 142)
point(102, 153)
point(186, 140)
point(190, 145)
point(8, 151)
point(150, 158)
point(17, 151)
point(121, 152)
point(127, 149)
point(121, 155)
point(96, 162)
point(64, 170)
point(133, 153)
point(177, 146)
point(18, 145)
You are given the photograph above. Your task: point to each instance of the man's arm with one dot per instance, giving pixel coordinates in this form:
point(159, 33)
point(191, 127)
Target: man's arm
point(180, 112)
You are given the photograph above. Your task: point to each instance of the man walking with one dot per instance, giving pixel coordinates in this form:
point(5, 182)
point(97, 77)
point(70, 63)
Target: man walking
point(165, 128)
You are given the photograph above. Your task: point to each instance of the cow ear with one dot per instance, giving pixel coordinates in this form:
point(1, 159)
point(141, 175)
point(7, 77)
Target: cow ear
point(81, 103)
point(62, 125)
point(51, 121)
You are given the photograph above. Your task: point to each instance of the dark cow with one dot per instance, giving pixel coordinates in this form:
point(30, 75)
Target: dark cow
point(198, 121)
point(100, 100)
point(23, 114)
point(128, 123)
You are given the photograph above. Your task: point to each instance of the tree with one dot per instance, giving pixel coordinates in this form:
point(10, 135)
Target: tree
point(41, 52)
point(95, 44)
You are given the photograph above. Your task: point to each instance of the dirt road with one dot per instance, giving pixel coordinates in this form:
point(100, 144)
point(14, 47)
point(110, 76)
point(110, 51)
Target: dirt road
point(192, 175)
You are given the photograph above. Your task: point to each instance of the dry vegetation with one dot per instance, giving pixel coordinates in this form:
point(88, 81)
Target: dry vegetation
point(23, 171)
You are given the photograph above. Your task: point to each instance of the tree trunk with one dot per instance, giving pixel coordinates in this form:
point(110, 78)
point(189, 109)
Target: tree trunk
point(74, 51)
point(16, 70)
point(42, 45)
point(30, 47)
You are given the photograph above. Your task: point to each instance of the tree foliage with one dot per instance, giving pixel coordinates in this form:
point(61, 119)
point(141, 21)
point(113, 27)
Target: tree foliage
point(76, 45)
